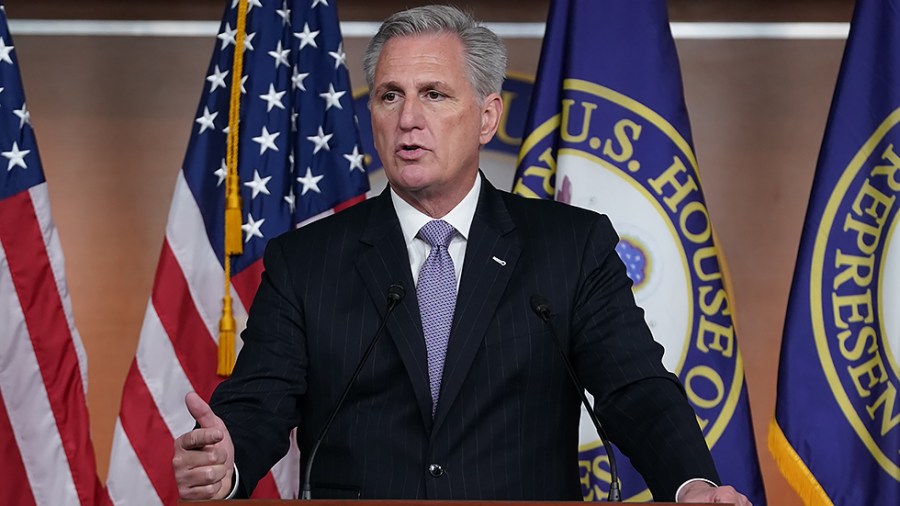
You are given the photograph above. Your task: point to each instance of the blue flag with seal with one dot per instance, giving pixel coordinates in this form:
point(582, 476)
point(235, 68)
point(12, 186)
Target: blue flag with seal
point(608, 130)
point(836, 432)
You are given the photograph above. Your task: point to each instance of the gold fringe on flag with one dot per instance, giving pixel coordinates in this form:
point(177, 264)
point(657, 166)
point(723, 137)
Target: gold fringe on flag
point(798, 476)
point(233, 244)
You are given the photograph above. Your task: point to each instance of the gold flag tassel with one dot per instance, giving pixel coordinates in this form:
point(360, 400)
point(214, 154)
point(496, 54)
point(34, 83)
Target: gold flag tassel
point(233, 206)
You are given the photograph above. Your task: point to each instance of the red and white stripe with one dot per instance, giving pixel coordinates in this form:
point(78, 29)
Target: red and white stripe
point(46, 454)
point(177, 353)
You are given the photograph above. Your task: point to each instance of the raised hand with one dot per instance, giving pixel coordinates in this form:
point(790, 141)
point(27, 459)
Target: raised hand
point(204, 457)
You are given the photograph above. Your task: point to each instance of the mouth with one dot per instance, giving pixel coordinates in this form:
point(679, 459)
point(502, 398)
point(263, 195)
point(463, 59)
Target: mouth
point(410, 151)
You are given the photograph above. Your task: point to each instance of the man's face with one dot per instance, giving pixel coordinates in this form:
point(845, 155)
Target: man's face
point(427, 120)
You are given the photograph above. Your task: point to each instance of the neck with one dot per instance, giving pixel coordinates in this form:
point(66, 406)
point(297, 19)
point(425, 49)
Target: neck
point(437, 203)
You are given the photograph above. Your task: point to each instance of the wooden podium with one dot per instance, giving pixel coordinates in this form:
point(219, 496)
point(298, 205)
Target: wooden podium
point(389, 502)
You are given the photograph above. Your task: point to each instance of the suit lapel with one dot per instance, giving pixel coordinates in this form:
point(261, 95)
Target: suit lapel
point(491, 256)
point(384, 263)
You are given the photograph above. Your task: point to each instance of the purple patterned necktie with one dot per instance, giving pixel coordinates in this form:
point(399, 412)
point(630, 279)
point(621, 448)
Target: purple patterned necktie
point(436, 292)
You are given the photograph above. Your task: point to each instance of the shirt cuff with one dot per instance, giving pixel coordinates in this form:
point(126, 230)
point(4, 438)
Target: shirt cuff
point(237, 478)
point(677, 492)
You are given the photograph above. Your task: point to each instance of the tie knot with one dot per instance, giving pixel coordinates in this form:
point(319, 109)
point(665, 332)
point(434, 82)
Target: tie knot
point(437, 233)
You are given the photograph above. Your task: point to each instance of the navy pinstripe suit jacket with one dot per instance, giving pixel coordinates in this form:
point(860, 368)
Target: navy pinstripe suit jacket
point(506, 425)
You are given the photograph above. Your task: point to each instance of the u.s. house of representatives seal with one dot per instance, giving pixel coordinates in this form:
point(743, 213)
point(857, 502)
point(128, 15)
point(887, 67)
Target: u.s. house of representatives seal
point(612, 154)
point(855, 293)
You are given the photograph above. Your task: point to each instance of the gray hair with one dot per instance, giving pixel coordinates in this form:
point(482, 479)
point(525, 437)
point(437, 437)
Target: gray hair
point(485, 53)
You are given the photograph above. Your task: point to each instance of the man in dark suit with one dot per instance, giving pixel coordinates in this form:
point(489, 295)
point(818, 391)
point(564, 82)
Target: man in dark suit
point(466, 396)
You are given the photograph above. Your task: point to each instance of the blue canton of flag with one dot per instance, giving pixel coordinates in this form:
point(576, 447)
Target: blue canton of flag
point(836, 432)
point(20, 167)
point(299, 151)
point(608, 130)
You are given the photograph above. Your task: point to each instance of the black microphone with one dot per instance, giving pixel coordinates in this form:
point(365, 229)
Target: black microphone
point(395, 294)
point(541, 307)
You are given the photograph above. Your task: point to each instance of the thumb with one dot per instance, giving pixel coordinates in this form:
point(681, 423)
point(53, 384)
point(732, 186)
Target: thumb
point(200, 410)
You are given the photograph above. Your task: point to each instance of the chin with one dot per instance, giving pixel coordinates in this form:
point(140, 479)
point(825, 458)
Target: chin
point(412, 178)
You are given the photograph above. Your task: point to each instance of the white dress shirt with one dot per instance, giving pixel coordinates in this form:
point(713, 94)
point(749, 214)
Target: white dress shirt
point(412, 220)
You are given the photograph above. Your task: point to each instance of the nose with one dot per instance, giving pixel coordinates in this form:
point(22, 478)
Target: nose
point(411, 114)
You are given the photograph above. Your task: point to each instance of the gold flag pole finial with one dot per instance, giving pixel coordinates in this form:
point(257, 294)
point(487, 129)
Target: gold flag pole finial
point(233, 244)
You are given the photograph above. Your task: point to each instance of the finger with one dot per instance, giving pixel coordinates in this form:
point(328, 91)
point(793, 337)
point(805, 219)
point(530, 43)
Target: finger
point(200, 410)
point(198, 439)
point(200, 476)
point(728, 494)
point(199, 491)
point(206, 482)
point(187, 460)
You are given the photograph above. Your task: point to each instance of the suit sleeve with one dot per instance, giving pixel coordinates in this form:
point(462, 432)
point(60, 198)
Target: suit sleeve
point(259, 403)
point(640, 404)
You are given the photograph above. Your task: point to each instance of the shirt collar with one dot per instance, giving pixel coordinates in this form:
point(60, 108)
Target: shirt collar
point(412, 220)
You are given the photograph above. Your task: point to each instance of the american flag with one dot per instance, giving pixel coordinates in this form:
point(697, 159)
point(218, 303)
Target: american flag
point(299, 159)
point(46, 454)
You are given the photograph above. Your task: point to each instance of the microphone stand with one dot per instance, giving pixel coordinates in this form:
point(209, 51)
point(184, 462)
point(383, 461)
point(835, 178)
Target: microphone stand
point(394, 296)
point(541, 307)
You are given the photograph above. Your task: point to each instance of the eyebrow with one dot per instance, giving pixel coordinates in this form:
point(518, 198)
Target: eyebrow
point(395, 86)
point(387, 86)
point(432, 85)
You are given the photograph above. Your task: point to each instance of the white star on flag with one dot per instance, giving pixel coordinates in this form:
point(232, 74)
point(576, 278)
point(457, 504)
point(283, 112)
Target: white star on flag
point(310, 182)
point(252, 228)
point(297, 79)
point(248, 41)
point(290, 199)
point(317, 2)
point(356, 159)
point(307, 38)
point(16, 157)
point(266, 140)
point(24, 115)
point(217, 78)
point(285, 14)
point(332, 98)
point(4, 51)
point(321, 140)
point(273, 98)
point(280, 55)
point(206, 121)
point(228, 36)
point(222, 173)
point(258, 185)
point(340, 58)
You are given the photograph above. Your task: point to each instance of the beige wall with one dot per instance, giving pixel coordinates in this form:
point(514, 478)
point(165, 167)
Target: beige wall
point(113, 116)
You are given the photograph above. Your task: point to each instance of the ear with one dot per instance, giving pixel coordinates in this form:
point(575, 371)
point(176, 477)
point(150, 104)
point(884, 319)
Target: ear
point(491, 112)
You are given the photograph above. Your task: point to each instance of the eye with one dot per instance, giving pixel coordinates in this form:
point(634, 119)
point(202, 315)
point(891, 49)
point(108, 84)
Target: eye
point(389, 96)
point(434, 95)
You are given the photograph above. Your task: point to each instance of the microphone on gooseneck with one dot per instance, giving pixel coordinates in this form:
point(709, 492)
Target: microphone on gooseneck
point(395, 294)
point(541, 307)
